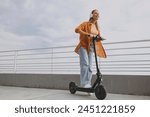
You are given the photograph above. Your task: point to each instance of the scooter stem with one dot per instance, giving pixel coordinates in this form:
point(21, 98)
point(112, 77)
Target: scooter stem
point(99, 75)
point(98, 71)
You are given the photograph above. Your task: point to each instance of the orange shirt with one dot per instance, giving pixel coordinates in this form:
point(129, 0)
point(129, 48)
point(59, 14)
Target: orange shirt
point(85, 41)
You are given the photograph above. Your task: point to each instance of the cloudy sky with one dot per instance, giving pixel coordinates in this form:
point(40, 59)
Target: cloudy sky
point(46, 23)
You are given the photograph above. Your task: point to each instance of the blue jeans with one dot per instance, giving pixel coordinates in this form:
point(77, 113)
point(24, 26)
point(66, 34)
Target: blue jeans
point(85, 66)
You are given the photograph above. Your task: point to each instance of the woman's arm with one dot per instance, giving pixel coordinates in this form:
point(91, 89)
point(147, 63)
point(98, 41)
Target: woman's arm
point(80, 29)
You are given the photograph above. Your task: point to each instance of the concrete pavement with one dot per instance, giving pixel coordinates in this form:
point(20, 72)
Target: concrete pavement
point(21, 93)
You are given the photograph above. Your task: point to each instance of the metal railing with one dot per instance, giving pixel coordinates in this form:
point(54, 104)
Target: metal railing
point(126, 57)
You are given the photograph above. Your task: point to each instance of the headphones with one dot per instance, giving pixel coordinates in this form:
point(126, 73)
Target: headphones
point(91, 15)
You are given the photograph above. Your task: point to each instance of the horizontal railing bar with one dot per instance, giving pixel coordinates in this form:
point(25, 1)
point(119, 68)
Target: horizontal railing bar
point(125, 61)
point(32, 49)
point(6, 55)
point(73, 65)
point(6, 67)
point(128, 54)
point(49, 63)
point(35, 68)
point(70, 64)
point(129, 48)
point(63, 62)
point(77, 56)
point(63, 70)
point(103, 62)
point(66, 57)
point(119, 42)
point(93, 70)
point(44, 70)
point(63, 52)
point(125, 71)
point(7, 64)
point(44, 53)
point(46, 65)
point(6, 59)
point(78, 67)
point(34, 54)
point(67, 62)
point(126, 67)
point(33, 58)
point(73, 51)
point(122, 64)
point(46, 58)
point(114, 68)
point(32, 63)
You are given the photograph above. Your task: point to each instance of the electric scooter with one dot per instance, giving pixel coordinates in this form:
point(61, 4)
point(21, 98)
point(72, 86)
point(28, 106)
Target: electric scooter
point(97, 87)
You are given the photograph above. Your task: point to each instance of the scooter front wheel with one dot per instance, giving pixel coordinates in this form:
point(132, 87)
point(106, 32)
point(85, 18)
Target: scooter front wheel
point(100, 92)
point(72, 87)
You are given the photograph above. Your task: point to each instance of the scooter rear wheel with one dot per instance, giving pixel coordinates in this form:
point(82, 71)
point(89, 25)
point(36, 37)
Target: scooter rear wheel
point(100, 92)
point(72, 87)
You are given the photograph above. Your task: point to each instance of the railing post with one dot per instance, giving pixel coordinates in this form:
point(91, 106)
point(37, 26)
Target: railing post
point(52, 62)
point(15, 61)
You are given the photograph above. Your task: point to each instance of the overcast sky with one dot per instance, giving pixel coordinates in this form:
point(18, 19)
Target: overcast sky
point(46, 23)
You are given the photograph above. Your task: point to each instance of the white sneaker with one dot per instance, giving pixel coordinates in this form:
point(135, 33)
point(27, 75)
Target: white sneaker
point(90, 94)
point(87, 86)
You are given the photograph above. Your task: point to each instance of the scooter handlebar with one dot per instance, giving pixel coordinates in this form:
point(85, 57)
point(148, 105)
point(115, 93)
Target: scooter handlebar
point(98, 38)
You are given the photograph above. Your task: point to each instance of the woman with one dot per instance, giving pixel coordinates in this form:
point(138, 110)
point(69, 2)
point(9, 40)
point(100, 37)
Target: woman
point(87, 31)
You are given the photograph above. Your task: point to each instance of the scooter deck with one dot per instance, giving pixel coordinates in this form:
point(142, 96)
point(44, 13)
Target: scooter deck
point(90, 90)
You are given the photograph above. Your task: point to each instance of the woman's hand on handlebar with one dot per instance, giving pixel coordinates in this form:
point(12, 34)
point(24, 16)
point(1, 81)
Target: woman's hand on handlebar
point(96, 37)
point(92, 35)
